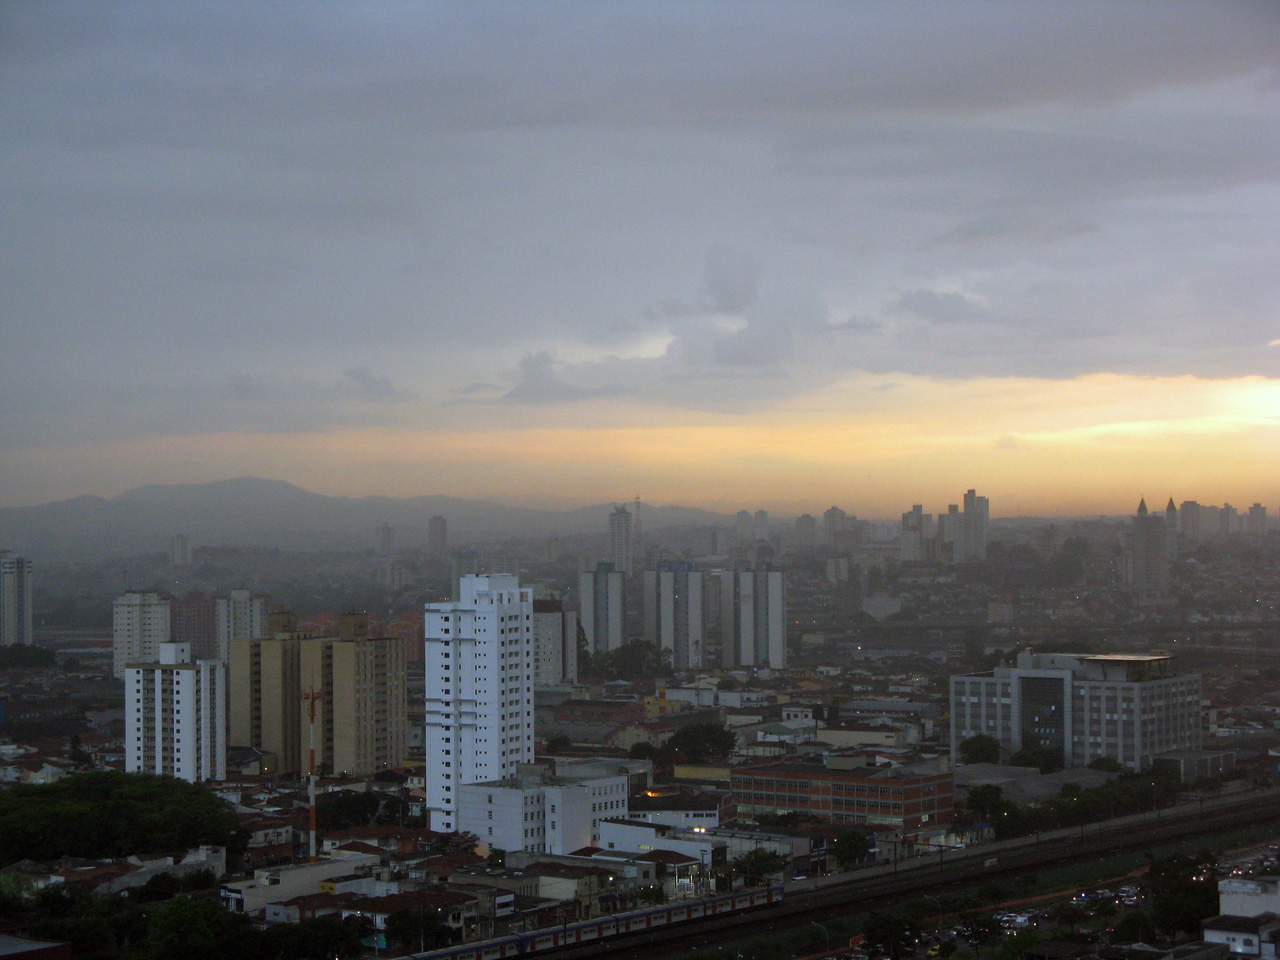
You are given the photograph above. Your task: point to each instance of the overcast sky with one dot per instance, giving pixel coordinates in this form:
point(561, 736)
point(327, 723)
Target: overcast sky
point(732, 254)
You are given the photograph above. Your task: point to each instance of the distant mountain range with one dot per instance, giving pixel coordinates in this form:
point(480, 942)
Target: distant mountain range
point(250, 511)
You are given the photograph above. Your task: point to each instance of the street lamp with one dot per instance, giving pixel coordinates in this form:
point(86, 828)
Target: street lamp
point(826, 937)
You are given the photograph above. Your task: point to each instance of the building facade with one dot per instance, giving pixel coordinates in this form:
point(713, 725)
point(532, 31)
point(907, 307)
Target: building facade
point(555, 639)
point(175, 719)
point(674, 613)
point(753, 620)
point(602, 597)
point(240, 615)
point(140, 622)
point(888, 798)
point(539, 813)
point(480, 669)
point(358, 685)
point(1149, 557)
point(1130, 708)
point(16, 612)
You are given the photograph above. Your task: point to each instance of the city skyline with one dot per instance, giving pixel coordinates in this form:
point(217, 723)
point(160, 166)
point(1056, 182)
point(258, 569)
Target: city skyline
point(720, 254)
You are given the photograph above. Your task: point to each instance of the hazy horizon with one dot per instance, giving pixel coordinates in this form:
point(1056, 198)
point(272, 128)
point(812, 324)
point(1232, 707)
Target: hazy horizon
point(720, 255)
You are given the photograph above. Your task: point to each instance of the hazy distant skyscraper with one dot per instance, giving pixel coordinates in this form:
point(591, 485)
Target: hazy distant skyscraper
point(977, 511)
point(1148, 558)
point(16, 617)
point(437, 537)
point(601, 595)
point(195, 622)
point(241, 615)
point(479, 680)
point(1189, 521)
point(753, 622)
point(179, 551)
point(386, 537)
point(806, 530)
point(834, 522)
point(913, 535)
point(674, 614)
point(620, 545)
point(140, 622)
point(1256, 524)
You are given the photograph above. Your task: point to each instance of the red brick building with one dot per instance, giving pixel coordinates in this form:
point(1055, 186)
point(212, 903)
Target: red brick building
point(888, 798)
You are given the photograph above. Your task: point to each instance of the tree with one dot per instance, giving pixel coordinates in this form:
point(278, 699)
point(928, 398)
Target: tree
point(980, 749)
point(849, 847)
point(344, 809)
point(110, 814)
point(183, 928)
point(759, 863)
point(417, 930)
point(700, 742)
point(1046, 759)
point(559, 744)
point(1183, 893)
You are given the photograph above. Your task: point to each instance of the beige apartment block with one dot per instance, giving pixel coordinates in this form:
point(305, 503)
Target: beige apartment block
point(358, 684)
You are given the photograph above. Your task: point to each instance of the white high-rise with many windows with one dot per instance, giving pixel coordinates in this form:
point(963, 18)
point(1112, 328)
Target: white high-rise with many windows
point(175, 716)
point(480, 671)
point(241, 615)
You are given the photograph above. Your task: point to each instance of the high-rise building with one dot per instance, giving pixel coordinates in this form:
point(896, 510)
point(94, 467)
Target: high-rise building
point(1256, 524)
point(977, 513)
point(141, 620)
point(194, 620)
point(240, 615)
point(555, 640)
point(621, 553)
point(753, 621)
point(1189, 521)
point(179, 551)
point(437, 537)
point(601, 596)
point(1148, 558)
point(16, 616)
point(479, 690)
point(175, 719)
point(1127, 707)
point(834, 522)
point(913, 535)
point(805, 533)
point(357, 684)
point(674, 614)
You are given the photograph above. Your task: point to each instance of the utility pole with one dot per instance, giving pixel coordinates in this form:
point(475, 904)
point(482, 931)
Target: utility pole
point(311, 696)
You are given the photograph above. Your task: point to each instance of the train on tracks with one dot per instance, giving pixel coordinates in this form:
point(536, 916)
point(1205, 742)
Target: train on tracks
point(603, 928)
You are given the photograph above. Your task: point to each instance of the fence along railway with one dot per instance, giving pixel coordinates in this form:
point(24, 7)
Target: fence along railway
point(666, 930)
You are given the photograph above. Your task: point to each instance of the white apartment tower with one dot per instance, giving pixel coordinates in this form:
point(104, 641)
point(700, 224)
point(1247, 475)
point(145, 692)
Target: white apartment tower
point(15, 601)
point(555, 641)
point(175, 718)
point(479, 681)
point(674, 614)
point(241, 615)
point(753, 622)
point(140, 622)
point(601, 594)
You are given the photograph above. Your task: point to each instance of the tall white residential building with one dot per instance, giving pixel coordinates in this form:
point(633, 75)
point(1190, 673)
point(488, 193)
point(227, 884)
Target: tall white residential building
point(1129, 707)
point(674, 613)
point(753, 621)
point(15, 601)
point(175, 716)
point(555, 641)
point(140, 622)
point(621, 544)
point(977, 513)
point(479, 682)
point(241, 615)
point(541, 813)
point(601, 595)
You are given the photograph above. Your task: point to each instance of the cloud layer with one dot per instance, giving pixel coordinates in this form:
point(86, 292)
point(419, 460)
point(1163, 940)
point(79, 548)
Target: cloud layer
point(304, 219)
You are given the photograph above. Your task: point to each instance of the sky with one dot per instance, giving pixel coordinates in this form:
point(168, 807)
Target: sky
point(731, 254)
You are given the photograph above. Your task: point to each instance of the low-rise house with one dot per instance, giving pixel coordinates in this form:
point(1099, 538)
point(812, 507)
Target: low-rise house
point(277, 884)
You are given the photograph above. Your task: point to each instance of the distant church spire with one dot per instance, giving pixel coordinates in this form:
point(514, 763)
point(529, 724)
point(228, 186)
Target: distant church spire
point(1142, 507)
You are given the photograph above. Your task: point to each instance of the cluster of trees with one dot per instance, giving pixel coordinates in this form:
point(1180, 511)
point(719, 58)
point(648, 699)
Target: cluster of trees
point(20, 656)
point(111, 814)
point(634, 660)
point(1127, 793)
point(696, 743)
